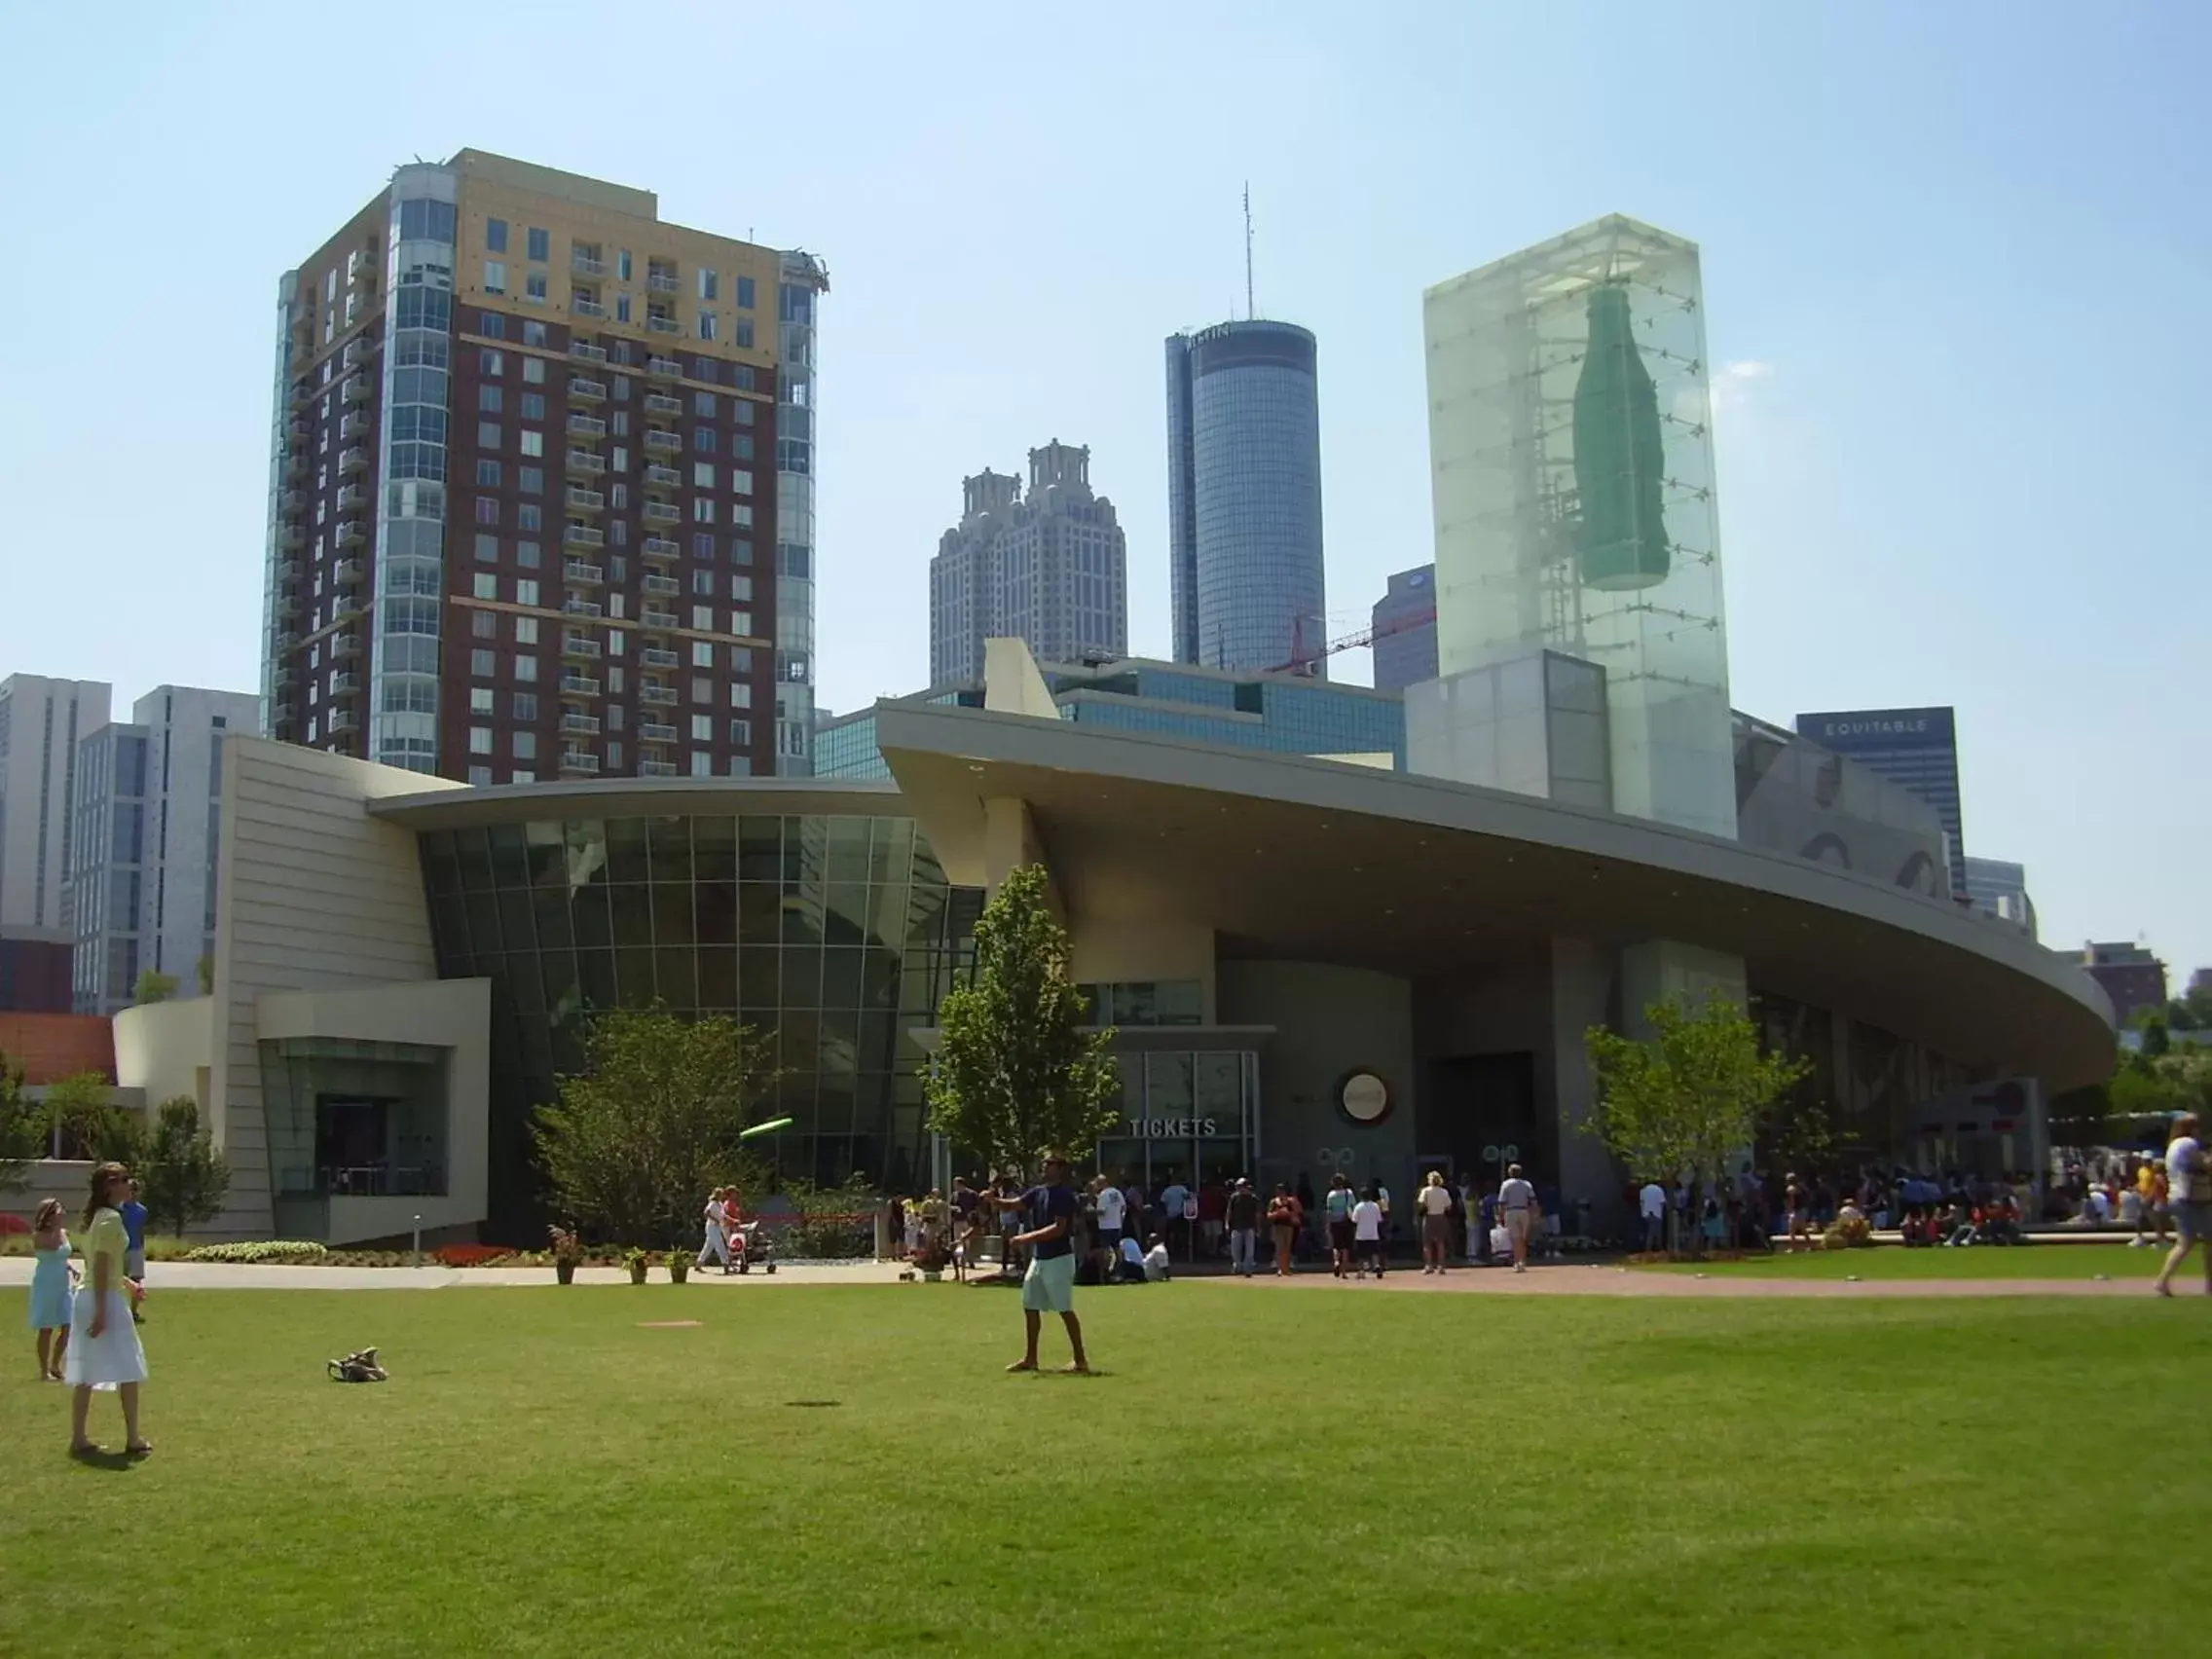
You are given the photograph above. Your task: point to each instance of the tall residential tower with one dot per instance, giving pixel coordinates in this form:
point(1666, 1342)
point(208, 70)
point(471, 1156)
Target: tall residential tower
point(518, 521)
point(144, 832)
point(1244, 498)
point(1050, 569)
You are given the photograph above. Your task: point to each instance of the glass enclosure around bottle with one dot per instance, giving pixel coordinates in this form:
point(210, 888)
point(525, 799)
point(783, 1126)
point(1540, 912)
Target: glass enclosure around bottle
point(1571, 467)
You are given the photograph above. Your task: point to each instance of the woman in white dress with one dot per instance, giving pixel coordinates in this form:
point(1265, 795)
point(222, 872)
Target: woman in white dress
point(103, 1340)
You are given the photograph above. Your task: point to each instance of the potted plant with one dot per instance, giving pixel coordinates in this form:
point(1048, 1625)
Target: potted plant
point(567, 1253)
point(678, 1266)
point(636, 1261)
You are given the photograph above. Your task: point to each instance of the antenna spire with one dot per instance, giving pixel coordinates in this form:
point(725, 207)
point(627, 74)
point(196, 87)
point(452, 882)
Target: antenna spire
point(1249, 312)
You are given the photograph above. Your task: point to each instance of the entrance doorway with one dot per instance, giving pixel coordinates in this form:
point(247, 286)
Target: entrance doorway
point(1475, 1106)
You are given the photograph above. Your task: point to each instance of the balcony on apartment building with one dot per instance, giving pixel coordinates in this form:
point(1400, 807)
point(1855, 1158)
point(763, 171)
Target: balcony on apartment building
point(658, 621)
point(578, 685)
point(582, 536)
point(654, 582)
point(659, 547)
point(585, 352)
point(660, 696)
point(575, 725)
point(581, 573)
point(653, 731)
point(668, 477)
point(355, 390)
point(343, 648)
point(661, 282)
point(352, 497)
point(584, 304)
point(577, 760)
point(663, 368)
point(660, 403)
point(583, 389)
point(573, 606)
point(352, 533)
point(586, 426)
point(345, 683)
point(662, 512)
point(658, 656)
point(647, 767)
point(349, 572)
point(584, 463)
point(578, 646)
point(660, 323)
point(583, 501)
point(352, 459)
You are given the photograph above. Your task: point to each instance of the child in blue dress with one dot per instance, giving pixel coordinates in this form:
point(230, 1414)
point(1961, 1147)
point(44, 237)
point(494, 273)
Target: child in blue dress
point(50, 1289)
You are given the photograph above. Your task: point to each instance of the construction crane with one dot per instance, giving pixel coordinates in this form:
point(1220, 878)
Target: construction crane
point(1304, 661)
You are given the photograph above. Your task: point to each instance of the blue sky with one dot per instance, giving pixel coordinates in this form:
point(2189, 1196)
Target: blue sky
point(1955, 258)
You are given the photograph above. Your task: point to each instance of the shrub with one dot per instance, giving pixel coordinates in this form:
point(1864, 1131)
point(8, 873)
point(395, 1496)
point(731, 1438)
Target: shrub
point(261, 1251)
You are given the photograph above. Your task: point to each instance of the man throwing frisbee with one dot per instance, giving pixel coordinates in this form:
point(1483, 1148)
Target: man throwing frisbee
point(1050, 1210)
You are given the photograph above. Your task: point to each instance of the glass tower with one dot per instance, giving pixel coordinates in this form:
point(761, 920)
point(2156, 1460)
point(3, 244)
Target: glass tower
point(1571, 447)
point(802, 277)
point(1244, 498)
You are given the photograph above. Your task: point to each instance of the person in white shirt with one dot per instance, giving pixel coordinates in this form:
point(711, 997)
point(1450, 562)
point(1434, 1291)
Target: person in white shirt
point(2189, 1196)
point(1156, 1260)
point(1435, 1203)
point(1110, 1207)
point(1517, 1209)
point(715, 1246)
point(1652, 1203)
point(1130, 1266)
point(1367, 1230)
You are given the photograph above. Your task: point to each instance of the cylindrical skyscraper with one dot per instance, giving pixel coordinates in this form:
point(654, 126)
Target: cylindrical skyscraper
point(1244, 498)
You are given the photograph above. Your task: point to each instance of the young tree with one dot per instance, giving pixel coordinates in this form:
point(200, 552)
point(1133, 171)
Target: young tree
point(1691, 1096)
point(1017, 1068)
point(92, 1129)
point(651, 1124)
point(155, 986)
point(23, 1128)
point(182, 1178)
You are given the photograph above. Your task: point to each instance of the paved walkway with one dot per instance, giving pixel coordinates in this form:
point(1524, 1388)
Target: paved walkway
point(1564, 1280)
point(1553, 1279)
point(164, 1277)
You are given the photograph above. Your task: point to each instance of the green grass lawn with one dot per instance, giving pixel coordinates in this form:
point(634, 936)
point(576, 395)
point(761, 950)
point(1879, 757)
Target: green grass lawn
point(1316, 1471)
point(1895, 1260)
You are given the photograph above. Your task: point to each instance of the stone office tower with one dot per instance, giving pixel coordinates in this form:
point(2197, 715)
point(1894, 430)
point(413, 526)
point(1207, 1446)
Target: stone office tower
point(1050, 567)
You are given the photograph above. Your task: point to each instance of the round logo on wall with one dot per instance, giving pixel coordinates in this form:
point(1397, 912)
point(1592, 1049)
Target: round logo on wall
point(1363, 1098)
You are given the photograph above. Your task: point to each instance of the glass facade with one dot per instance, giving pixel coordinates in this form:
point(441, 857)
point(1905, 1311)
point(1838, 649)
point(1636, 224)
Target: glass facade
point(411, 514)
point(1244, 498)
point(1192, 1115)
point(1287, 713)
point(109, 865)
point(1571, 449)
point(837, 935)
point(804, 280)
point(844, 747)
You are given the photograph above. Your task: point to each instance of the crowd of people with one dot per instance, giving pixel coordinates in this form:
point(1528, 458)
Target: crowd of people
point(1127, 1232)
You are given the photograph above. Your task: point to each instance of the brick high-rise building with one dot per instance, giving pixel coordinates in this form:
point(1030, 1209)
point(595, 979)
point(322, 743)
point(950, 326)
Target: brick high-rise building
point(529, 513)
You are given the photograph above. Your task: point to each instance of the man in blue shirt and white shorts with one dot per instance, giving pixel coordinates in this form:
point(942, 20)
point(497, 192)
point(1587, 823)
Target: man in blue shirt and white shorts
point(1050, 1210)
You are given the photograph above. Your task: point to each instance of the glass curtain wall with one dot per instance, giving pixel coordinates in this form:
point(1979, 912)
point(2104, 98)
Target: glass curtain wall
point(833, 936)
point(411, 517)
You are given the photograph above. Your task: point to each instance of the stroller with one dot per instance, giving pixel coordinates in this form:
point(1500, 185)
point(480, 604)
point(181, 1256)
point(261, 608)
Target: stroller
point(749, 1242)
